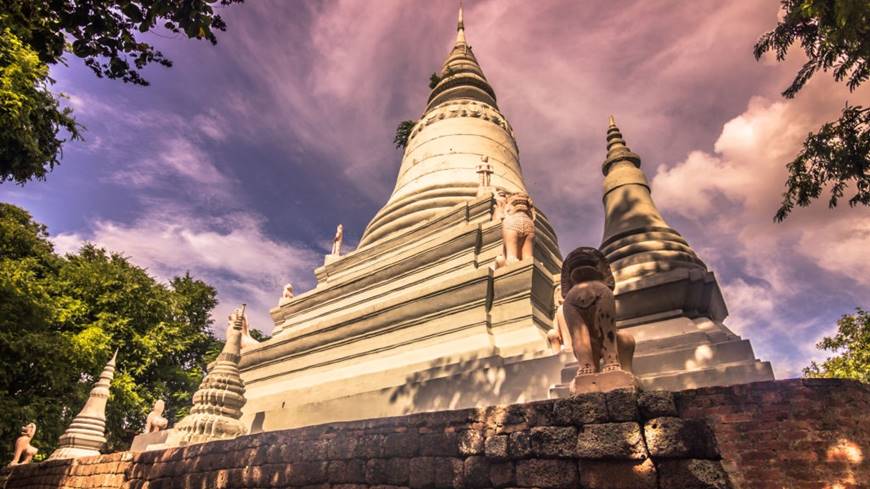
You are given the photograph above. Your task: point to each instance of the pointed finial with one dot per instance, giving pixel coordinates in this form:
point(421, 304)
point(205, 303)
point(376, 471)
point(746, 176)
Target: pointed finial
point(114, 357)
point(616, 148)
point(460, 25)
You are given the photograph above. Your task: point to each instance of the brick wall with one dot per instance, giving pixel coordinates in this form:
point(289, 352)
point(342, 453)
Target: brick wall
point(802, 433)
point(786, 434)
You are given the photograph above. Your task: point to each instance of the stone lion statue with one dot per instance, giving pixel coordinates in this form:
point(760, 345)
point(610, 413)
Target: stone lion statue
point(155, 420)
point(24, 451)
point(517, 213)
point(588, 314)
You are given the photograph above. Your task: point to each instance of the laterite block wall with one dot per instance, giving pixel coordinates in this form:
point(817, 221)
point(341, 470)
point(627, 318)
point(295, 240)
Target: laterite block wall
point(792, 434)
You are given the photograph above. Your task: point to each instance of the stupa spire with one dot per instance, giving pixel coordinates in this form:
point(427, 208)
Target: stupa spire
point(617, 150)
point(217, 404)
point(637, 241)
point(86, 434)
point(460, 128)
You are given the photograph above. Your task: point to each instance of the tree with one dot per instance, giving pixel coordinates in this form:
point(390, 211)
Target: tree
point(834, 35)
point(106, 34)
point(403, 132)
point(853, 342)
point(30, 116)
point(61, 318)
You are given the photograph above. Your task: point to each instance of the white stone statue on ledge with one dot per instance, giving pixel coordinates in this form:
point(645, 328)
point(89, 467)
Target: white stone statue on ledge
point(155, 420)
point(336, 241)
point(286, 295)
point(24, 451)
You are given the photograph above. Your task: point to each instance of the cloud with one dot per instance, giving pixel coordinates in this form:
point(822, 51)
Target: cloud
point(782, 278)
point(232, 253)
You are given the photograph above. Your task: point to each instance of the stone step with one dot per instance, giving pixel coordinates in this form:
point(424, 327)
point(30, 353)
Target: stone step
point(677, 360)
point(720, 375)
point(696, 356)
point(726, 374)
point(671, 342)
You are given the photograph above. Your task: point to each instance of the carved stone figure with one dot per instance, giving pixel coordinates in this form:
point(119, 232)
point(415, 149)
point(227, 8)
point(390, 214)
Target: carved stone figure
point(485, 171)
point(287, 295)
point(336, 241)
point(500, 196)
point(217, 404)
point(518, 229)
point(590, 317)
point(155, 420)
point(559, 336)
point(24, 451)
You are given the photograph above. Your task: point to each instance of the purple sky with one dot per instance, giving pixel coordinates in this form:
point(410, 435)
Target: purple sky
point(238, 162)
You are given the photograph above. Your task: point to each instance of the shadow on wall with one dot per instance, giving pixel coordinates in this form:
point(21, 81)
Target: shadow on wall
point(474, 382)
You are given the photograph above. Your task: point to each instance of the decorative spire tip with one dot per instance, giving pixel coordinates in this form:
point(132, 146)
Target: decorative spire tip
point(612, 121)
point(460, 25)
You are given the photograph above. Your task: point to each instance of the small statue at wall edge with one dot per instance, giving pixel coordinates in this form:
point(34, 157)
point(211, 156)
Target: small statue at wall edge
point(155, 420)
point(24, 451)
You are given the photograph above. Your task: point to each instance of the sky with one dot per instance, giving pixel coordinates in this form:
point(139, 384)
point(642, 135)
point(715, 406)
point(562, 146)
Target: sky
point(237, 163)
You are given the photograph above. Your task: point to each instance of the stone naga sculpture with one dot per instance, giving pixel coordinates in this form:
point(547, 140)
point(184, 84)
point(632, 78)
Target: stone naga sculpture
point(155, 420)
point(24, 451)
point(518, 228)
point(589, 312)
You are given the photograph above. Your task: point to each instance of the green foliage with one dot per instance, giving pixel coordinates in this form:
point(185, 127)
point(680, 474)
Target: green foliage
point(434, 80)
point(853, 342)
point(834, 35)
point(106, 34)
point(839, 154)
point(60, 320)
point(403, 132)
point(31, 119)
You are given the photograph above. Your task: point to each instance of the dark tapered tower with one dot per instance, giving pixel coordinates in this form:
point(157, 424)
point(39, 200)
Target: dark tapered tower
point(666, 296)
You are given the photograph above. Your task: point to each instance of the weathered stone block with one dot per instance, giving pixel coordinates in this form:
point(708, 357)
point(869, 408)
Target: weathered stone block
point(439, 444)
point(401, 444)
point(421, 473)
point(471, 442)
point(692, 474)
point(476, 472)
point(502, 474)
point(307, 473)
point(618, 441)
point(496, 447)
point(622, 404)
point(346, 471)
point(520, 444)
point(376, 471)
point(617, 474)
point(582, 409)
point(554, 441)
point(654, 404)
point(546, 473)
point(345, 446)
point(668, 437)
point(449, 472)
point(373, 445)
